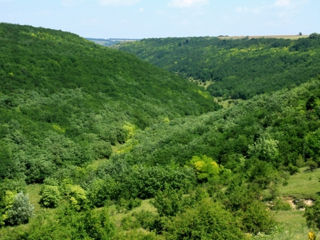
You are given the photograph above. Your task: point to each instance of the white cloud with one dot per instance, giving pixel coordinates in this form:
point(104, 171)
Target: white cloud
point(278, 11)
point(68, 3)
point(254, 10)
point(118, 2)
point(283, 3)
point(187, 3)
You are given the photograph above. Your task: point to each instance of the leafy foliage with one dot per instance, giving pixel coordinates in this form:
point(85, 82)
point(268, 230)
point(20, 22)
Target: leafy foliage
point(70, 224)
point(99, 129)
point(77, 196)
point(206, 168)
point(168, 202)
point(50, 196)
point(208, 221)
point(257, 218)
point(253, 137)
point(19, 210)
point(312, 215)
point(65, 100)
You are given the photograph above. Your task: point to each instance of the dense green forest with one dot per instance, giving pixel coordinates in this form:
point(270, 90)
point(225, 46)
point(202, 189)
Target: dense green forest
point(65, 100)
point(97, 144)
point(234, 68)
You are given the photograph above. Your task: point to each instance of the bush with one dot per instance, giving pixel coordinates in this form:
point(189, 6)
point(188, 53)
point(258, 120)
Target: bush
point(20, 211)
point(98, 225)
point(312, 164)
point(292, 169)
point(77, 197)
point(6, 203)
point(50, 196)
point(128, 204)
point(146, 219)
point(67, 223)
point(312, 215)
point(14, 185)
point(145, 181)
point(207, 221)
point(168, 202)
point(103, 149)
point(206, 168)
point(129, 222)
point(257, 218)
point(133, 203)
point(102, 190)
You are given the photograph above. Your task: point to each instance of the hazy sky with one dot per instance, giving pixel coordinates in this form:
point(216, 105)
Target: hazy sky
point(163, 18)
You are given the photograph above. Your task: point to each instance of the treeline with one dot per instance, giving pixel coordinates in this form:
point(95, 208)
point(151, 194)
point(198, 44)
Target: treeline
point(238, 68)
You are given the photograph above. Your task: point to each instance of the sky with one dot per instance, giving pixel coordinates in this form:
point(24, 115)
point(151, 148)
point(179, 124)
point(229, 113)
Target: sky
point(166, 18)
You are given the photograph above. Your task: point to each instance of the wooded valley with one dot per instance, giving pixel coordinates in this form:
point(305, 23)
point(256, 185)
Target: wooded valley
point(96, 143)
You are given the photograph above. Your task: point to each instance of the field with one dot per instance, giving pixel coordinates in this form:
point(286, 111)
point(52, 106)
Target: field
point(292, 224)
point(304, 184)
point(292, 37)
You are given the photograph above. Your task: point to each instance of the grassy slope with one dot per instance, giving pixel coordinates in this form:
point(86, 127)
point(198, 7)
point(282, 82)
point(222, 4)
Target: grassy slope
point(292, 224)
point(304, 184)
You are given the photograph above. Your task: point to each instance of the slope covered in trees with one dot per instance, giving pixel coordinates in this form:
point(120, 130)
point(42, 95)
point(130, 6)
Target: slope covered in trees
point(111, 147)
point(278, 130)
point(236, 68)
point(65, 100)
point(210, 176)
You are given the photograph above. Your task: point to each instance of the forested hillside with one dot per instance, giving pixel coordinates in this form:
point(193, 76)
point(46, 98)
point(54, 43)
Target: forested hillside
point(97, 144)
point(235, 68)
point(65, 100)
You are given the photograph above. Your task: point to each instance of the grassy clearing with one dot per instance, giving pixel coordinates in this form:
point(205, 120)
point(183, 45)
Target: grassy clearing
point(95, 165)
point(33, 192)
point(128, 227)
point(117, 217)
point(304, 184)
point(293, 223)
point(227, 103)
point(292, 226)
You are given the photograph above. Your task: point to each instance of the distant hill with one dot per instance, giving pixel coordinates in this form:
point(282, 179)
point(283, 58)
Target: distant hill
point(292, 37)
point(111, 41)
point(234, 67)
